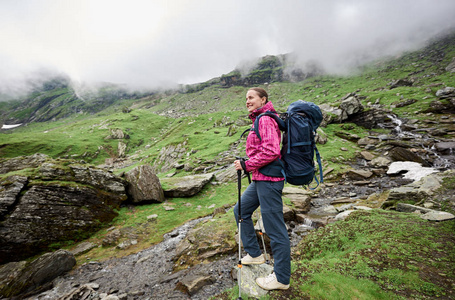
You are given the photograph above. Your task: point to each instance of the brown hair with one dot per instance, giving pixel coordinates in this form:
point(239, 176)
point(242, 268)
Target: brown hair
point(261, 92)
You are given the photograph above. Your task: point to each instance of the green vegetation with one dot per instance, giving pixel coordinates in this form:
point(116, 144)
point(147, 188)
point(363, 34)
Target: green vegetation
point(371, 255)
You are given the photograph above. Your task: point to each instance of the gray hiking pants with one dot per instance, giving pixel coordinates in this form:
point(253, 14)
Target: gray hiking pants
point(267, 194)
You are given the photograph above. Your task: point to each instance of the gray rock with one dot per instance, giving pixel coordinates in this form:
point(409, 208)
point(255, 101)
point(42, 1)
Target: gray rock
point(446, 92)
point(359, 174)
point(228, 174)
point(451, 66)
point(351, 105)
point(380, 162)
point(191, 284)
point(22, 162)
point(53, 212)
point(249, 274)
point(10, 189)
point(83, 248)
point(426, 213)
point(438, 216)
point(445, 147)
point(343, 215)
point(20, 277)
point(144, 185)
point(403, 154)
point(185, 186)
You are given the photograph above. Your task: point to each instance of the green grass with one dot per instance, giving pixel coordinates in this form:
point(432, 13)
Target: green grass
point(375, 255)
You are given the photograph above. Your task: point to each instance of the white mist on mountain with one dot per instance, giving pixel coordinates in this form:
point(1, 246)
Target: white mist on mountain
point(151, 44)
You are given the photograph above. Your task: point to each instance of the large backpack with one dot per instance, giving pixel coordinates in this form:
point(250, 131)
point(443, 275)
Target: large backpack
point(299, 125)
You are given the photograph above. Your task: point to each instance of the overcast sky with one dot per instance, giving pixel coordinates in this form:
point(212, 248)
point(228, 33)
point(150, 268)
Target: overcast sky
point(152, 42)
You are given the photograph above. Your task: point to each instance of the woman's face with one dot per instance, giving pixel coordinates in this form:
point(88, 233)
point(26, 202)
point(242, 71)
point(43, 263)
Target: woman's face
point(253, 101)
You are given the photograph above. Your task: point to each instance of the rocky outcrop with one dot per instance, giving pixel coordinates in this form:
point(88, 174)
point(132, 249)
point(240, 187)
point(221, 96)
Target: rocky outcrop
point(207, 240)
point(57, 200)
point(143, 185)
point(186, 186)
point(451, 66)
point(23, 277)
point(425, 213)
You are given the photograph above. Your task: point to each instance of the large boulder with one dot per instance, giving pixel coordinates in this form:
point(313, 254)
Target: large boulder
point(144, 185)
point(186, 186)
point(17, 278)
point(55, 201)
point(350, 105)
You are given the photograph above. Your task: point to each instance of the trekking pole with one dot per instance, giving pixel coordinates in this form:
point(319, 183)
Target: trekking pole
point(267, 261)
point(239, 183)
point(261, 233)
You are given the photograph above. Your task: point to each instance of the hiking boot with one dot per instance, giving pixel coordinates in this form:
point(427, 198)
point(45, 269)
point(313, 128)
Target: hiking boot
point(271, 283)
point(248, 260)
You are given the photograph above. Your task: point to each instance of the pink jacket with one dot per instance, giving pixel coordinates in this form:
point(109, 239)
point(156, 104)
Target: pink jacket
point(261, 153)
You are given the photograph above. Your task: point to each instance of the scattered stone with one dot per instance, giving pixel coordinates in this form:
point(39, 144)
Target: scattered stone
point(186, 186)
point(82, 248)
point(400, 82)
point(380, 162)
point(367, 155)
point(359, 174)
point(152, 217)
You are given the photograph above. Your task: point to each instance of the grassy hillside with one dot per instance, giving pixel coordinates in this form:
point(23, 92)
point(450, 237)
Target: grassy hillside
point(208, 120)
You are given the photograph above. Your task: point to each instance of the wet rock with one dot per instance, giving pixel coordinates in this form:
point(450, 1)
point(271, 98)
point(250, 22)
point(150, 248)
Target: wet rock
point(359, 174)
point(445, 147)
point(17, 278)
point(403, 154)
point(144, 185)
point(185, 186)
point(300, 198)
point(380, 162)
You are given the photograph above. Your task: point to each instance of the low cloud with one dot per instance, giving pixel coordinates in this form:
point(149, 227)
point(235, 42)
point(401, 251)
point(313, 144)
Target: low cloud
point(151, 44)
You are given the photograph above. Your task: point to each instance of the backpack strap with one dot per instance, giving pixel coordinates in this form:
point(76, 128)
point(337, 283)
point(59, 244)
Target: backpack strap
point(273, 115)
point(318, 157)
point(249, 129)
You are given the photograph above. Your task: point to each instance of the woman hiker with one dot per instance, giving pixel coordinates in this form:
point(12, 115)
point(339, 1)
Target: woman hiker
point(266, 192)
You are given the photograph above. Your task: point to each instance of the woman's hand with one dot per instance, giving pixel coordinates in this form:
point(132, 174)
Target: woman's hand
point(238, 165)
